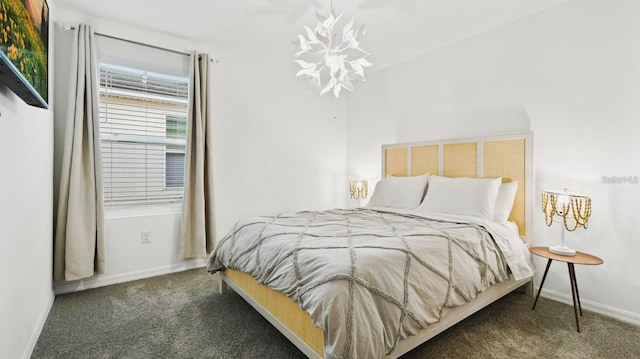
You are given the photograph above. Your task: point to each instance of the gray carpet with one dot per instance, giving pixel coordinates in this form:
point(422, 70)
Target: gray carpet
point(182, 316)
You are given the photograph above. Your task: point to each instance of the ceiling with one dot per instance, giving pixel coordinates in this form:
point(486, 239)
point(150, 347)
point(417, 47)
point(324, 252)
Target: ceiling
point(397, 30)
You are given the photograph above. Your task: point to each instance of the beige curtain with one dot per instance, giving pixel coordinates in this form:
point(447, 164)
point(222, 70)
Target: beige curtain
point(197, 234)
point(79, 245)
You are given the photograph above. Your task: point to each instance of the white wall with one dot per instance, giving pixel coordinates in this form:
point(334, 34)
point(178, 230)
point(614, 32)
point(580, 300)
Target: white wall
point(26, 202)
point(571, 75)
point(26, 146)
point(277, 148)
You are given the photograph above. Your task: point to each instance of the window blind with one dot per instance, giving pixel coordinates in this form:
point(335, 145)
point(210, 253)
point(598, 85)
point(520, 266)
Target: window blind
point(143, 124)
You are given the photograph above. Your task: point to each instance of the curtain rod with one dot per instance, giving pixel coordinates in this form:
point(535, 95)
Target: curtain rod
point(71, 27)
point(142, 44)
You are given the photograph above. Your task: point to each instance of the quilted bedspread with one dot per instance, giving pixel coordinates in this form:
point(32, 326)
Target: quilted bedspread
point(368, 278)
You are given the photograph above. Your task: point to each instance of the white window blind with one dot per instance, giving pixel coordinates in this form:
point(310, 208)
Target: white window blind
point(143, 124)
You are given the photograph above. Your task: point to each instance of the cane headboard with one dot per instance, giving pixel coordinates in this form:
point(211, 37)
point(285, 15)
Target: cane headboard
point(506, 156)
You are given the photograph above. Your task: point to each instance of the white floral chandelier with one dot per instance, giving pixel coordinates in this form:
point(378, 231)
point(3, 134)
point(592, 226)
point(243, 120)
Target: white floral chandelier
point(328, 63)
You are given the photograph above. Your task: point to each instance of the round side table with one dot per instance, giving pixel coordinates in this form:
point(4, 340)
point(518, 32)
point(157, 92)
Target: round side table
point(579, 258)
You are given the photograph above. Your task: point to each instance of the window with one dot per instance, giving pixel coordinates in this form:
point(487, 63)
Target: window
point(143, 123)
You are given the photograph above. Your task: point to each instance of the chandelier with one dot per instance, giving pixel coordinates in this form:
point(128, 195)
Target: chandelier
point(328, 63)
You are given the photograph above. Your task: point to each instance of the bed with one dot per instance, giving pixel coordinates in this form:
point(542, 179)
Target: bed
point(376, 282)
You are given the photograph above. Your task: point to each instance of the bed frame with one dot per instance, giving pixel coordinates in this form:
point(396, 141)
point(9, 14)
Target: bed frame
point(507, 156)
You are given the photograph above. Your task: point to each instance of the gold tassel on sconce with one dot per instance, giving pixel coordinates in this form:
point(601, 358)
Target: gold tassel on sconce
point(359, 189)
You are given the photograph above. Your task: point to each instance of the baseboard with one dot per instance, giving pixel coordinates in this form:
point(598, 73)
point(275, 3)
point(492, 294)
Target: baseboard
point(619, 314)
point(37, 329)
point(101, 280)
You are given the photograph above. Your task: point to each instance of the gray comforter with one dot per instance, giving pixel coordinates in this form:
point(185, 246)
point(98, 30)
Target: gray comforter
point(368, 278)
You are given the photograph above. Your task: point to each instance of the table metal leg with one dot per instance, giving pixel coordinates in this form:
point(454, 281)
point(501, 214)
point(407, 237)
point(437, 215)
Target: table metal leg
point(575, 282)
point(574, 292)
point(544, 276)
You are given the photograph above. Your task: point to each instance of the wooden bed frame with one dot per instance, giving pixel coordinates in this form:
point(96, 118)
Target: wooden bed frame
point(506, 156)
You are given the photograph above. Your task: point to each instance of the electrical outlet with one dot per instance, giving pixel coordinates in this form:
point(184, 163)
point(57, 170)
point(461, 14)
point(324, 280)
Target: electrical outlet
point(146, 237)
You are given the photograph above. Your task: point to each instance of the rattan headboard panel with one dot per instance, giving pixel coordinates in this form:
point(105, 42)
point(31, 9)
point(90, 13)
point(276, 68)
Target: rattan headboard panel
point(460, 160)
point(506, 156)
point(424, 159)
point(396, 163)
point(503, 159)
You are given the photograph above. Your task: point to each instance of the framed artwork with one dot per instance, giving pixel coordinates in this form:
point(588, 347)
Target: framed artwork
point(24, 48)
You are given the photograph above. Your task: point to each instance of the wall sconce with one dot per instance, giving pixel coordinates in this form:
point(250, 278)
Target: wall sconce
point(570, 209)
point(359, 189)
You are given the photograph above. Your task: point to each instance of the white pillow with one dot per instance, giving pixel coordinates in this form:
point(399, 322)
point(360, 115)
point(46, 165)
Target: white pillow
point(464, 196)
point(504, 201)
point(399, 192)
